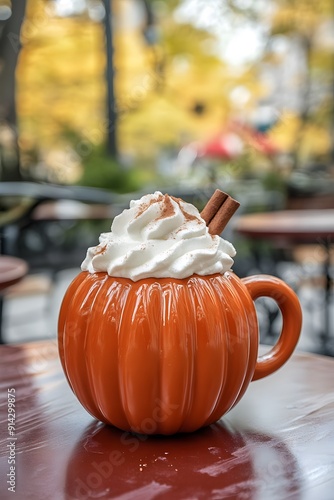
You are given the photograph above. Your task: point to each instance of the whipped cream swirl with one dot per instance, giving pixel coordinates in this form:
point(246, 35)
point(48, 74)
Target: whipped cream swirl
point(159, 236)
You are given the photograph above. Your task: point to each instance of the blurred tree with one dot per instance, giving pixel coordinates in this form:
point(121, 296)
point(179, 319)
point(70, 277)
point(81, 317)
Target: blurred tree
point(11, 18)
point(160, 87)
point(189, 95)
point(297, 66)
point(304, 22)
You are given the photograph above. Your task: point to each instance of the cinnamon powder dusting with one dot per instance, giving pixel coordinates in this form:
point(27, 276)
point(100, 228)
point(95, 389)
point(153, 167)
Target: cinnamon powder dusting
point(167, 208)
point(145, 206)
point(187, 216)
point(98, 251)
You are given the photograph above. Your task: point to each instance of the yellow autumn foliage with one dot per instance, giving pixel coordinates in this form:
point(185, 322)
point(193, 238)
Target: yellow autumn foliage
point(61, 85)
point(61, 93)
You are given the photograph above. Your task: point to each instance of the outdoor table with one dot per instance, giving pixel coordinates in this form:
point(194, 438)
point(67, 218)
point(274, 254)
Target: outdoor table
point(12, 270)
point(41, 191)
point(288, 227)
point(310, 226)
point(276, 444)
point(38, 201)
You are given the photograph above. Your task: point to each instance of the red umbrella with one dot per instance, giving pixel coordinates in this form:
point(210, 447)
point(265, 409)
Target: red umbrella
point(258, 140)
point(262, 143)
point(227, 145)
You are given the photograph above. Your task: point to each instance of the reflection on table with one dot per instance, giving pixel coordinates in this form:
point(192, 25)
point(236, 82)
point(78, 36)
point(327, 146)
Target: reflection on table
point(276, 443)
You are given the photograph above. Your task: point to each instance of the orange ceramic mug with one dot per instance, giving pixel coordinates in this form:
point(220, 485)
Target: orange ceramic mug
point(161, 356)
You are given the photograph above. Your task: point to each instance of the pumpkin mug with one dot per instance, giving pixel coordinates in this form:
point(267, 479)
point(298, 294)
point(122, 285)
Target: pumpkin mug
point(167, 355)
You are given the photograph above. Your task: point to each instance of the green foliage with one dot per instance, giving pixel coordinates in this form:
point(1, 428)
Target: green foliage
point(102, 171)
point(242, 167)
point(186, 40)
point(274, 181)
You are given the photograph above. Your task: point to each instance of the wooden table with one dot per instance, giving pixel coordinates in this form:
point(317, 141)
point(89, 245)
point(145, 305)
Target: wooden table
point(310, 226)
point(37, 202)
point(276, 444)
point(288, 227)
point(12, 270)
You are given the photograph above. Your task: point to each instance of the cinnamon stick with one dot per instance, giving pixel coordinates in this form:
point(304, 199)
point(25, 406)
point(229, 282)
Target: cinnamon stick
point(218, 211)
point(213, 205)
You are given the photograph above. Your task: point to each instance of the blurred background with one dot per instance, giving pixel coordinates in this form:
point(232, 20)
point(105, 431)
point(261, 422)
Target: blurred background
point(102, 101)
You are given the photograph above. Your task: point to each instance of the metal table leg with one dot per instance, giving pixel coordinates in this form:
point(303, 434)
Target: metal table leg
point(326, 337)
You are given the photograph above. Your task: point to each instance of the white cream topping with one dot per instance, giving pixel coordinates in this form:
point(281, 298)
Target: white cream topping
point(159, 237)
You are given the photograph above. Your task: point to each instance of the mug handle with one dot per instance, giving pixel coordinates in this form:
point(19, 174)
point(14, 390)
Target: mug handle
point(288, 302)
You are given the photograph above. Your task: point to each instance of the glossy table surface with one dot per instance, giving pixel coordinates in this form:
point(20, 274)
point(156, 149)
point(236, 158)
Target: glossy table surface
point(296, 225)
point(277, 443)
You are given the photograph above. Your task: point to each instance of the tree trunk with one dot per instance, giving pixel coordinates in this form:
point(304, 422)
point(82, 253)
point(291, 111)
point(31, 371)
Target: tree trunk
point(111, 102)
point(9, 53)
point(307, 44)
